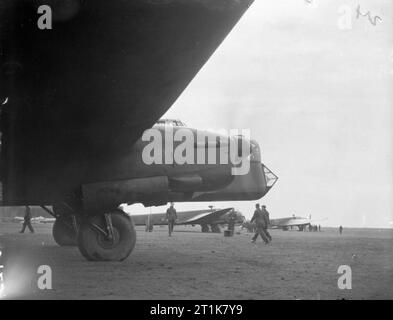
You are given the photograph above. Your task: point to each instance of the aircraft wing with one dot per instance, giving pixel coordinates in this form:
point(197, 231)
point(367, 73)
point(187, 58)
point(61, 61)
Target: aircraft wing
point(88, 88)
point(292, 222)
point(112, 70)
point(289, 222)
point(207, 217)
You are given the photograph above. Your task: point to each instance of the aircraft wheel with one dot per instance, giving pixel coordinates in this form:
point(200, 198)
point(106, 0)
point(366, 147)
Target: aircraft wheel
point(64, 233)
point(95, 244)
point(205, 228)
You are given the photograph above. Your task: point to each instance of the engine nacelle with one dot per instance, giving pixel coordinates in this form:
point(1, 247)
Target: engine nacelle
point(186, 183)
point(101, 196)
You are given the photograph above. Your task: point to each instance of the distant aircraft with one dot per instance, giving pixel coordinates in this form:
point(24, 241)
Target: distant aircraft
point(287, 222)
point(212, 218)
point(39, 219)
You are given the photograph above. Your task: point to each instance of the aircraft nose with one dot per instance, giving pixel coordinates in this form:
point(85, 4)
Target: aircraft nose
point(248, 148)
point(270, 177)
point(244, 147)
point(255, 151)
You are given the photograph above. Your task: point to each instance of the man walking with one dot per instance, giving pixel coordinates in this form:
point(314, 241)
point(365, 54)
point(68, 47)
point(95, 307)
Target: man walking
point(260, 222)
point(171, 216)
point(232, 221)
point(267, 222)
point(27, 221)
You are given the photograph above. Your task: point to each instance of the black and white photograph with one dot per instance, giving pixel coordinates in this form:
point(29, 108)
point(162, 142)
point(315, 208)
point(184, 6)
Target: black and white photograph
point(205, 152)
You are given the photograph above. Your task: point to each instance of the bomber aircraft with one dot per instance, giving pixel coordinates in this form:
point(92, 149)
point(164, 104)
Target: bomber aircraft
point(285, 223)
point(78, 96)
point(208, 219)
point(290, 222)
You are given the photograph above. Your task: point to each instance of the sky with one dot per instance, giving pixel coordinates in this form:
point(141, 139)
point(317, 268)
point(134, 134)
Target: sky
point(314, 84)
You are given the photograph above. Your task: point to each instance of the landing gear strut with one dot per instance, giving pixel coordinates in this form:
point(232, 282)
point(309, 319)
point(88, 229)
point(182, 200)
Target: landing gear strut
point(105, 237)
point(109, 237)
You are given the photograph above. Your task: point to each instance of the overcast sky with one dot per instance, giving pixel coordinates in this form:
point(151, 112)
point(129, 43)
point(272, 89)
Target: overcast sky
point(317, 98)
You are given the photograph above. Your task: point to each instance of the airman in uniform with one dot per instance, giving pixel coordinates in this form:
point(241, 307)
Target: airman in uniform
point(27, 221)
point(260, 221)
point(267, 219)
point(171, 216)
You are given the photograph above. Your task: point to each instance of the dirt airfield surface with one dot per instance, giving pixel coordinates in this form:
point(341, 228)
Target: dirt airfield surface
point(193, 265)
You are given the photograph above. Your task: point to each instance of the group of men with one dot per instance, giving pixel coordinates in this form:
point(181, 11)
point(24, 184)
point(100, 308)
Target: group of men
point(260, 217)
point(262, 221)
point(314, 228)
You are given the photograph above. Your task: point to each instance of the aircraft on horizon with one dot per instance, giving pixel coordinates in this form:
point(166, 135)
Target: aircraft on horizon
point(208, 219)
point(290, 222)
point(287, 223)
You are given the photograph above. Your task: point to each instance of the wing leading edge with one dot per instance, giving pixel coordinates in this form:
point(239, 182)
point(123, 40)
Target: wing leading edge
point(208, 217)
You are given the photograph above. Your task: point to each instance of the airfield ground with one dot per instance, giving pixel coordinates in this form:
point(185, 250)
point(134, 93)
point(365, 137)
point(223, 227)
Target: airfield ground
point(192, 265)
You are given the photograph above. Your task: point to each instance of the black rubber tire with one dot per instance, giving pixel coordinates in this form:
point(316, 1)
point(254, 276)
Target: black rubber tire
point(94, 248)
point(204, 228)
point(63, 233)
point(215, 228)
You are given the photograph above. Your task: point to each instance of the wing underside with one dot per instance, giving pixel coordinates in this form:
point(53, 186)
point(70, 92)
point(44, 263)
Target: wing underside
point(289, 222)
point(207, 218)
point(86, 90)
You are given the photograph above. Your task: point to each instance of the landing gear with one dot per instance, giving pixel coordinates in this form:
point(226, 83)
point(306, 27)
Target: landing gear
point(65, 228)
point(205, 228)
point(109, 237)
point(215, 228)
point(64, 232)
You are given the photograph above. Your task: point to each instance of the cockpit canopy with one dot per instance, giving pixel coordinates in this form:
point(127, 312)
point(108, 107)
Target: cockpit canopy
point(170, 122)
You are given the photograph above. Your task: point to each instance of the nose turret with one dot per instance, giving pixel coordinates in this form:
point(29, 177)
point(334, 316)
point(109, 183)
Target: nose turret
point(270, 177)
